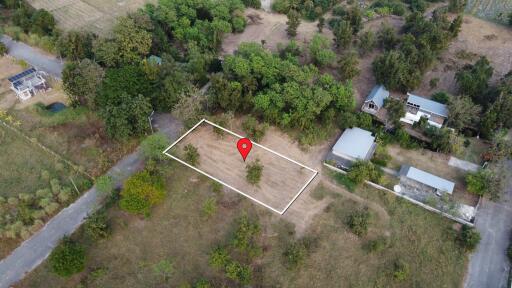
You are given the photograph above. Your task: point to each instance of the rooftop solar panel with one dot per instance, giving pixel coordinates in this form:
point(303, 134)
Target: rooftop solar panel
point(22, 75)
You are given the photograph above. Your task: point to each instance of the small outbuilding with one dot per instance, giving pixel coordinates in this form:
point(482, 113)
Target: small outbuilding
point(375, 100)
point(412, 176)
point(28, 83)
point(354, 144)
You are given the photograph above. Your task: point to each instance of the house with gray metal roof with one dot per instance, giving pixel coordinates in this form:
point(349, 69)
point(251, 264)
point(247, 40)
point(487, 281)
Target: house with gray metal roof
point(375, 100)
point(413, 176)
point(418, 107)
point(354, 144)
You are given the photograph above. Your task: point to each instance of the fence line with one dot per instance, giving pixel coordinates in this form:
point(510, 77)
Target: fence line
point(48, 150)
point(430, 208)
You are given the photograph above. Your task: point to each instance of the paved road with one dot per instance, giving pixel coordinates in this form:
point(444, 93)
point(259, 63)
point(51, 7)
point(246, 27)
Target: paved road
point(36, 249)
point(34, 57)
point(489, 266)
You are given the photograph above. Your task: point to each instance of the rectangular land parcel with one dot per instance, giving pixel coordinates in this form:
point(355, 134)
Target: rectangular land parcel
point(282, 180)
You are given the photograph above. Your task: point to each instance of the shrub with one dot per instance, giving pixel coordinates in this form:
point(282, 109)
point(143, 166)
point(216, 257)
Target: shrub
point(468, 238)
point(219, 258)
point(254, 171)
point(153, 146)
point(245, 234)
point(252, 3)
point(376, 245)
point(3, 49)
point(68, 258)
point(105, 184)
point(191, 154)
point(96, 226)
point(239, 272)
point(358, 221)
point(209, 207)
point(253, 128)
point(141, 192)
point(400, 270)
point(364, 170)
point(294, 255)
point(320, 51)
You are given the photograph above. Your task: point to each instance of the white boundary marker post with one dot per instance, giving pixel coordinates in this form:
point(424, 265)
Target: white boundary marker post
point(315, 173)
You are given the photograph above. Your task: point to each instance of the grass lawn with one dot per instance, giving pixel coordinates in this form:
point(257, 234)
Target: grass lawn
point(76, 133)
point(22, 164)
point(179, 232)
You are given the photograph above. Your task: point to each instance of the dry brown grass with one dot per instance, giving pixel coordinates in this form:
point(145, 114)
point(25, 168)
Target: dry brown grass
point(281, 179)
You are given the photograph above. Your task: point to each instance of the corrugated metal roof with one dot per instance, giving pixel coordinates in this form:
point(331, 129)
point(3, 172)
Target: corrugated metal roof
point(428, 105)
point(427, 179)
point(377, 95)
point(354, 142)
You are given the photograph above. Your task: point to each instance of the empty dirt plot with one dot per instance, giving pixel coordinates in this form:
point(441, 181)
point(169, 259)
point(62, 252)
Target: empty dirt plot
point(271, 28)
point(282, 179)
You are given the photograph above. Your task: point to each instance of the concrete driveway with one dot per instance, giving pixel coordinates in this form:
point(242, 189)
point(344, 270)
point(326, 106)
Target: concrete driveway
point(489, 265)
point(34, 57)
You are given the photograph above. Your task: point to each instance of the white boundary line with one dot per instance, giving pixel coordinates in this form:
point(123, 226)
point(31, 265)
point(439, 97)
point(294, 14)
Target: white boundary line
point(231, 187)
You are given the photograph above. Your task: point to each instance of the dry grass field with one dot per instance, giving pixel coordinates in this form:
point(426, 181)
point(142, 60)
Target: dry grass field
point(272, 29)
point(281, 179)
point(177, 231)
point(92, 15)
point(477, 38)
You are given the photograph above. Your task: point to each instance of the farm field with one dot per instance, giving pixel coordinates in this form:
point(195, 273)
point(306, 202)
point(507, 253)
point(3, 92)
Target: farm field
point(281, 179)
point(179, 232)
point(91, 15)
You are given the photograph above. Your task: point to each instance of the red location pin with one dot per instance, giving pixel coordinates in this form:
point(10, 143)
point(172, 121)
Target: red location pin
point(244, 146)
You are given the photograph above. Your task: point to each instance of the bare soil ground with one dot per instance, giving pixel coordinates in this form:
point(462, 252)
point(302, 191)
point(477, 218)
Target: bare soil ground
point(435, 163)
point(477, 37)
point(92, 15)
point(281, 179)
point(9, 68)
point(272, 29)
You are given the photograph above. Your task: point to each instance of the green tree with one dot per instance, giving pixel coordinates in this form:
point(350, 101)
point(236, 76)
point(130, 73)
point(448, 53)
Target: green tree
point(141, 192)
point(75, 45)
point(367, 42)
point(294, 255)
point(468, 238)
point(81, 81)
point(484, 182)
point(219, 258)
point(349, 66)
point(321, 24)
point(395, 109)
point(164, 269)
point(153, 146)
point(320, 51)
point(132, 42)
point(343, 34)
point(463, 113)
point(254, 172)
point(293, 22)
point(364, 170)
point(128, 118)
point(456, 6)
point(456, 26)
point(68, 258)
point(254, 129)
point(239, 272)
point(252, 3)
point(400, 270)
point(473, 81)
point(391, 69)
point(387, 37)
point(441, 97)
point(191, 154)
point(42, 23)
point(355, 18)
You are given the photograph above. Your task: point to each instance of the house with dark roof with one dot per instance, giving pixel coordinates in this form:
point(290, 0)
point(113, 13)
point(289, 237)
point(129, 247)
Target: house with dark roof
point(375, 100)
point(412, 176)
point(418, 107)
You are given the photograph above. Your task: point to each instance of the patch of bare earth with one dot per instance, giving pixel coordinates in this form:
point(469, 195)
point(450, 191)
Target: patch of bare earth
point(271, 28)
point(477, 37)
